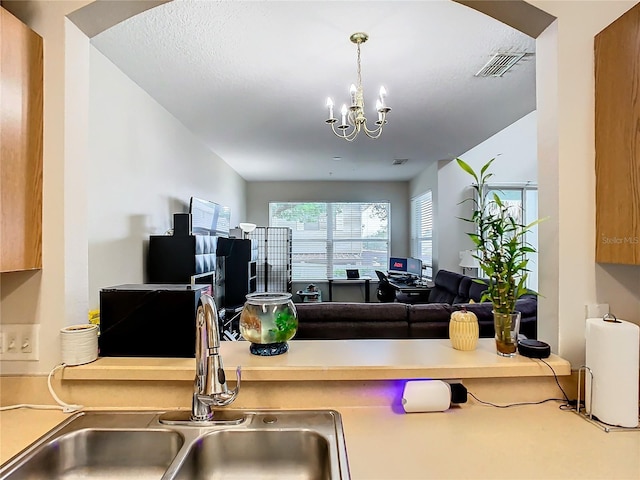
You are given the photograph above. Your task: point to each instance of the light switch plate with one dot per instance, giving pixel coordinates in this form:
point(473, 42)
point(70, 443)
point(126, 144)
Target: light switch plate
point(19, 342)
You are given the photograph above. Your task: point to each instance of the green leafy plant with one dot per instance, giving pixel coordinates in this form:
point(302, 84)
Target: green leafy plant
point(499, 240)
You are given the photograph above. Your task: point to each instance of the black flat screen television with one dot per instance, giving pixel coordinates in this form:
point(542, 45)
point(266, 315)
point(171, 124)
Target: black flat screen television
point(209, 218)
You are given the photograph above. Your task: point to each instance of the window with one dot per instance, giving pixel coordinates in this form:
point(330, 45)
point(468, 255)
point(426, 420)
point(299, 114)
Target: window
point(422, 231)
point(329, 238)
point(522, 201)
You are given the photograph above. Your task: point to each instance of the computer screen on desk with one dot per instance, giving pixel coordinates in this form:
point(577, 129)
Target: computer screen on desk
point(398, 265)
point(414, 267)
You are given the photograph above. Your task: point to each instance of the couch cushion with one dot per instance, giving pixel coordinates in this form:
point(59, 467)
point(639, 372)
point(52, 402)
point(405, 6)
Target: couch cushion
point(351, 320)
point(463, 291)
point(430, 320)
point(351, 311)
point(526, 305)
point(348, 330)
point(476, 290)
point(446, 285)
point(429, 312)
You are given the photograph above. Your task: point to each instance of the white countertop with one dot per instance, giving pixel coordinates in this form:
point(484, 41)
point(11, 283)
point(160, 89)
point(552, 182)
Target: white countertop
point(334, 360)
point(537, 442)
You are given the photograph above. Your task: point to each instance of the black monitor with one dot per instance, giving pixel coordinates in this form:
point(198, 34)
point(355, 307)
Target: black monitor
point(414, 267)
point(398, 265)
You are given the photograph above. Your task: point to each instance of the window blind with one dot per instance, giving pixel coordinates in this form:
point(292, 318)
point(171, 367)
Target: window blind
point(422, 231)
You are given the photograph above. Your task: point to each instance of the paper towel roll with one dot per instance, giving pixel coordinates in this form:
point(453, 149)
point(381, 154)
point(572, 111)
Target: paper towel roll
point(426, 396)
point(612, 356)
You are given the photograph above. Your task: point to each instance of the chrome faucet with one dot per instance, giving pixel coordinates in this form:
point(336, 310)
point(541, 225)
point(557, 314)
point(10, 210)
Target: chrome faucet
point(210, 386)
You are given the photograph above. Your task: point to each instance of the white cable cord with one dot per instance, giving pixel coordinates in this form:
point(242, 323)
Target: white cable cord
point(61, 405)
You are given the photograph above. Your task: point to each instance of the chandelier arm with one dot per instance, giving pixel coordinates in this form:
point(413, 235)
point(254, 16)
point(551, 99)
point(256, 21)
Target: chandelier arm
point(348, 137)
point(375, 133)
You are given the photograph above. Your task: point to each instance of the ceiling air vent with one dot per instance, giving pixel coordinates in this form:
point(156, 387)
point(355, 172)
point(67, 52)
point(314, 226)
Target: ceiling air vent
point(400, 161)
point(499, 64)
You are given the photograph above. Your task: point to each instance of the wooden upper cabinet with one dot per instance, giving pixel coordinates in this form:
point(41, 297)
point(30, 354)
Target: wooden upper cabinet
point(617, 137)
point(21, 87)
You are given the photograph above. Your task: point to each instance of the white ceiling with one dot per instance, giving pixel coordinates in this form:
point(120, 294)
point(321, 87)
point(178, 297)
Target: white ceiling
point(251, 80)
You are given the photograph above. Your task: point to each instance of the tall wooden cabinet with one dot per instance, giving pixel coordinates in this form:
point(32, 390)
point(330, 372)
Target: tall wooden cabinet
point(617, 140)
point(21, 87)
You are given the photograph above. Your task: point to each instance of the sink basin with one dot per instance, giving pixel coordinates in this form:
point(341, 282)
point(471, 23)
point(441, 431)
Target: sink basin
point(237, 444)
point(263, 454)
point(102, 454)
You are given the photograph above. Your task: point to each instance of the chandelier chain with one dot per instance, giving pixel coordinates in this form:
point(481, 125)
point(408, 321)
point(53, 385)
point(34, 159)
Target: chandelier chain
point(359, 68)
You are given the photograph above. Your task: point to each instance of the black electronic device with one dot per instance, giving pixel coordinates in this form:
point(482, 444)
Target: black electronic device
point(353, 273)
point(149, 320)
point(414, 267)
point(181, 224)
point(398, 265)
point(240, 270)
point(533, 348)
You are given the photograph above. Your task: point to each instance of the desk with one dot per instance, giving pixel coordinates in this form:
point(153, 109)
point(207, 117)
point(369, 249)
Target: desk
point(365, 280)
point(416, 292)
point(405, 288)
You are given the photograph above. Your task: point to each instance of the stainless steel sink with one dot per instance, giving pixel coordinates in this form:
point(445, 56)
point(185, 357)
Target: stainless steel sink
point(279, 444)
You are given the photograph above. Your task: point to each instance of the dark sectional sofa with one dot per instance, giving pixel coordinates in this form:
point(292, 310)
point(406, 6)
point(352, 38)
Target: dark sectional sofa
point(451, 292)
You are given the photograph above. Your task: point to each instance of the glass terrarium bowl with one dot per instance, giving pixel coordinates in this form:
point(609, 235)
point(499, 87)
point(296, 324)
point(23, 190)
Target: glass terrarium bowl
point(268, 321)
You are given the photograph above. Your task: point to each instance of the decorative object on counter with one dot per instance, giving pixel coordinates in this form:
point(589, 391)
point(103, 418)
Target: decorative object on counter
point(507, 326)
point(268, 321)
point(79, 344)
point(464, 330)
point(502, 249)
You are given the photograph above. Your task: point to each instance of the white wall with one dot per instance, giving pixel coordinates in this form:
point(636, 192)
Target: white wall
point(259, 194)
point(516, 150)
point(144, 165)
point(425, 181)
point(515, 153)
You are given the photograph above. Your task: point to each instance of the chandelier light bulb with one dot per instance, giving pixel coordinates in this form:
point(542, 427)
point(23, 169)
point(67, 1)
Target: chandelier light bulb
point(353, 118)
point(330, 105)
point(383, 93)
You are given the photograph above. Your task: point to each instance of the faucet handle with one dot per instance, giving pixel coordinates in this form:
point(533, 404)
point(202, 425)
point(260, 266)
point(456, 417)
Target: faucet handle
point(222, 399)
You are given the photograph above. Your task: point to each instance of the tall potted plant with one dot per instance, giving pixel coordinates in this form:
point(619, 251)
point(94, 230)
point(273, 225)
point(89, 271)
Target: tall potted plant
point(501, 251)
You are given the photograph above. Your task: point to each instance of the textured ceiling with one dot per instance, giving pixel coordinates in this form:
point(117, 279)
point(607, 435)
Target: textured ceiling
point(251, 80)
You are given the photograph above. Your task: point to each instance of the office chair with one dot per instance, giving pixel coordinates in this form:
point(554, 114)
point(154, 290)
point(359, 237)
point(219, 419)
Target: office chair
point(385, 292)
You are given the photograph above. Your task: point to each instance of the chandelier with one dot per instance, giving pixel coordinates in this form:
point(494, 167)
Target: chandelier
point(353, 119)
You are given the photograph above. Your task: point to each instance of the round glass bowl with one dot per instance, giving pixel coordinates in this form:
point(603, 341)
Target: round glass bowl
point(268, 321)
